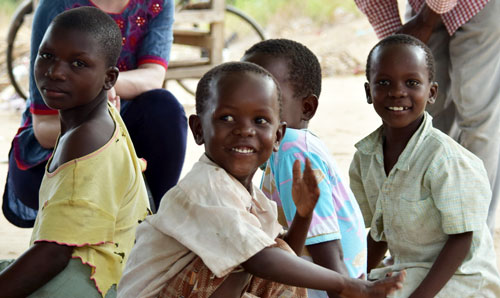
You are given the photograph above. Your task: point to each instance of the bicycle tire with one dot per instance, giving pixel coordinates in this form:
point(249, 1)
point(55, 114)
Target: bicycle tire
point(247, 19)
point(25, 8)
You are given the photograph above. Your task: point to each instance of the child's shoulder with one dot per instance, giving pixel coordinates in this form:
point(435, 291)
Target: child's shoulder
point(445, 147)
point(86, 138)
point(301, 141)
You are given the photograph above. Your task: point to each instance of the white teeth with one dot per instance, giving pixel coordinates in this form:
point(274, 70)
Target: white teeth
point(397, 108)
point(243, 150)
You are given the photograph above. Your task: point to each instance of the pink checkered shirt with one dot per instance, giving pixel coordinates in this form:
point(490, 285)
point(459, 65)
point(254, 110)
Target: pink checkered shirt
point(384, 14)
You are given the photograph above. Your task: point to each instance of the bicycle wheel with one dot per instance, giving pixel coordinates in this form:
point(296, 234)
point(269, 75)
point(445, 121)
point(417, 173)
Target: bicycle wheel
point(241, 32)
point(18, 48)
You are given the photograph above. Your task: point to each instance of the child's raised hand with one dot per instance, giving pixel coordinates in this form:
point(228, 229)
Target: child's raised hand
point(305, 191)
point(379, 288)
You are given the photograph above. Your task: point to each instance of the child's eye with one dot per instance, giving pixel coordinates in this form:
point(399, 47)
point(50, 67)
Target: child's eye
point(227, 118)
point(261, 120)
point(413, 83)
point(78, 64)
point(45, 55)
point(383, 83)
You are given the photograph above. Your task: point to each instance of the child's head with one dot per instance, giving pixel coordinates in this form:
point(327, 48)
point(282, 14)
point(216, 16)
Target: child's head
point(238, 117)
point(77, 57)
point(400, 73)
point(298, 73)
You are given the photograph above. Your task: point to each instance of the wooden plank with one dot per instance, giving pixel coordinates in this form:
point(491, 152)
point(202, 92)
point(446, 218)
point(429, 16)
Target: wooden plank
point(193, 38)
point(199, 16)
point(187, 72)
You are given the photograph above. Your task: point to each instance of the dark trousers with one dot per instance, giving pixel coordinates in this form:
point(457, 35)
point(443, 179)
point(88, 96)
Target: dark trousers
point(157, 126)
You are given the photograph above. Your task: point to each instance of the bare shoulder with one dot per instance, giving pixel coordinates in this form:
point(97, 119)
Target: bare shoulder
point(86, 138)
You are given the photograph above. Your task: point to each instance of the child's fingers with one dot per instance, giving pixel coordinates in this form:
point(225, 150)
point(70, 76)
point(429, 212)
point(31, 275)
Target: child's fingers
point(392, 283)
point(296, 171)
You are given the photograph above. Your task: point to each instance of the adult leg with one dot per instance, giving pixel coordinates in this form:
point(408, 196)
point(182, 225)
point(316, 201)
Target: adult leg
point(443, 110)
point(157, 125)
point(475, 85)
point(20, 198)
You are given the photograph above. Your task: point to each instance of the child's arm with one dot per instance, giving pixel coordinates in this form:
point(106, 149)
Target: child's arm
point(329, 254)
point(277, 265)
point(376, 252)
point(37, 266)
point(305, 194)
point(449, 259)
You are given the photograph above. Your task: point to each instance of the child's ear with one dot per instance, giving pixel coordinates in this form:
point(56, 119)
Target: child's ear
point(433, 93)
point(309, 107)
point(280, 132)
point(111, 77)
point(368, 93)
point(196, 129)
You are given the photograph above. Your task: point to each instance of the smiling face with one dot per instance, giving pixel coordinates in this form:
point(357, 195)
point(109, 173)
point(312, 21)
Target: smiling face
point(399, 85)
point(70, 70)
point(240, 126)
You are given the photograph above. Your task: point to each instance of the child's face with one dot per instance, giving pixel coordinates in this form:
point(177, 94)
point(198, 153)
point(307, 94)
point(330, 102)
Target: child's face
point(291, 105)
point(240, 126)
point(70, 70)
point(399, 85)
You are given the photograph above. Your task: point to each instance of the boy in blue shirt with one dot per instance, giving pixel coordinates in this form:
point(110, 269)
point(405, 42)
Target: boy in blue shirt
point(336, 237)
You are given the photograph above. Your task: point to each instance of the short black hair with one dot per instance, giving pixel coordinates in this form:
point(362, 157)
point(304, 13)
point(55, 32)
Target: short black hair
point(205, 89)
point(97, 24)
point(303, 66)
point(403, 39)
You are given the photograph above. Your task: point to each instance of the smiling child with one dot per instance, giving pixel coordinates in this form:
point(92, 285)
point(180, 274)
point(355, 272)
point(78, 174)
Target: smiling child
point(336, 238)
point(92, 194)
point(216, 234)
point(424, 197)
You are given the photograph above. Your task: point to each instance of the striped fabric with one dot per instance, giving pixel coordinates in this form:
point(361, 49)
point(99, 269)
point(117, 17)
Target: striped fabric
point(385, 19)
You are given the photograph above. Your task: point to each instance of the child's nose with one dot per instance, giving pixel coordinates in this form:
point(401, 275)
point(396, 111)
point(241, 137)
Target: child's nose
point(56, 71)
point(398, 90)
point(244, 129)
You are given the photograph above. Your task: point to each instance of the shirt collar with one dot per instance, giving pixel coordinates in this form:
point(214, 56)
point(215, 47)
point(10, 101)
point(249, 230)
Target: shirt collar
point(372, 144)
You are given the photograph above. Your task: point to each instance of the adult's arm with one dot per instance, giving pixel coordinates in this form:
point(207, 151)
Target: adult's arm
point(449, 259)
point(383, 15)
point(146, 77)
point(46, 129)
point(46, 124)
point(37, 266)
point(422, 24)
point(152, 56)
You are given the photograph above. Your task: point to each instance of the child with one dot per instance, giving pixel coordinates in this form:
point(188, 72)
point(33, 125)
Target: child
point(215, 234)
point(93, 193)
point(336, 237)
point(424, 196)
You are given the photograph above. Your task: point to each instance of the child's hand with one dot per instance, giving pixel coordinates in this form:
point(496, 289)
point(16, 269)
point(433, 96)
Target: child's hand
point(305, 191)
point(379, 288)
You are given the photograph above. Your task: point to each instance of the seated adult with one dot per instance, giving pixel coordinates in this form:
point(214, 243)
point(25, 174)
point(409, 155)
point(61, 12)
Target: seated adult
point(154, 118)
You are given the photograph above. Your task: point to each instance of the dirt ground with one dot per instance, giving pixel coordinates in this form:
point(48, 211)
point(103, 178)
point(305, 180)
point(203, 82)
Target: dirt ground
point(342, 119)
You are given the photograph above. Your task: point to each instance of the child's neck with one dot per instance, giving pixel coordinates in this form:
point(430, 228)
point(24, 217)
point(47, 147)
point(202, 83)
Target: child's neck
point(74, 117)
point(395, 141)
